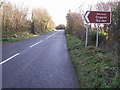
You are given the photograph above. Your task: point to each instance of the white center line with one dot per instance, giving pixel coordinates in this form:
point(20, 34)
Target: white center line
point(34, 44)
point(9, 58)
point(48, 37)
point(41, 41)
point(53, 35)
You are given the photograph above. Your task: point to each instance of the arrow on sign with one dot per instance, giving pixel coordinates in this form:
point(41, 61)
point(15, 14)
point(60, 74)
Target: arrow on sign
point(98, 17)
point(86, 16)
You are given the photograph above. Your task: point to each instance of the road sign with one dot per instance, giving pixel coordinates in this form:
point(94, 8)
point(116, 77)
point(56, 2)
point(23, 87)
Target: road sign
point(98, 17)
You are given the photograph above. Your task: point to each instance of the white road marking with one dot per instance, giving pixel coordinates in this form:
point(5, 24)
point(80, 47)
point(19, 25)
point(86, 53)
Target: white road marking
point(41, 41)
point(34, 44)
point(9, 58)
point(53, 35)
point(48, 37)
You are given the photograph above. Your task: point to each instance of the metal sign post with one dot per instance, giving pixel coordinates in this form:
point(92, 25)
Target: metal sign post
point(86, 42)
point(97, 37)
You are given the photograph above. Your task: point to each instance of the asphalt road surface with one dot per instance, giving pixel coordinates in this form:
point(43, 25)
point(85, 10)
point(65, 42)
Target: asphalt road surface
point(39, 62)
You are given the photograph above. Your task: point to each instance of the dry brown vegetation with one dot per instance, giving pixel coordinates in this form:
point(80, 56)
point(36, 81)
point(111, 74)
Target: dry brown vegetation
point(75, 24)
point(15, 21)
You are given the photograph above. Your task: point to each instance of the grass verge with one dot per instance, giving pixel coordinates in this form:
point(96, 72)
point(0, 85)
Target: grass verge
point(22, 36)
point(95, 68)
point(18, 37)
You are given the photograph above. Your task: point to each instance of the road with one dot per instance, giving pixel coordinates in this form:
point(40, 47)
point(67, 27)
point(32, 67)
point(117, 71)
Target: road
point(39, 62)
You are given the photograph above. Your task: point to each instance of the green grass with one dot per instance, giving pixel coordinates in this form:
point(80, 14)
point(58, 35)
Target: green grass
point(95, 68)
point(18, 38)
point(22, 36)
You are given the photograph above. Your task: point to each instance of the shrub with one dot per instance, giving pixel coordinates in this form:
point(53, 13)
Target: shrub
point(92, 38)
point(81, 33)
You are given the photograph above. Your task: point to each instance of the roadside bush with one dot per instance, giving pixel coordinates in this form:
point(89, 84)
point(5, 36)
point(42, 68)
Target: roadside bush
point(102, 38)
point(74, 23)
point(92, 38)
point(81, 33)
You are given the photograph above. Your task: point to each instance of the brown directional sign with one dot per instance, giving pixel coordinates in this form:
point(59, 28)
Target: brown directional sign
point(98, 17)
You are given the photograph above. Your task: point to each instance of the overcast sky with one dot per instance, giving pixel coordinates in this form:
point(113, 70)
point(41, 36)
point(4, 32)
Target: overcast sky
point(57, 8)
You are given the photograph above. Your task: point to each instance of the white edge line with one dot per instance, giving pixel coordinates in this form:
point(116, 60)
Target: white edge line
point(9, 58)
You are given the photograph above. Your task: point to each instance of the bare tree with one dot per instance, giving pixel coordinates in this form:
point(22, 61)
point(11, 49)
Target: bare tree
point(75, 24)
point(14, 21)
point(41, 20)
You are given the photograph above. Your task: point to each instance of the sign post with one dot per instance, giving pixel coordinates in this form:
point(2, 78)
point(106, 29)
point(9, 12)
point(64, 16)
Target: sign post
point(97, 37)
point(97, 17)
point(86, 42)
